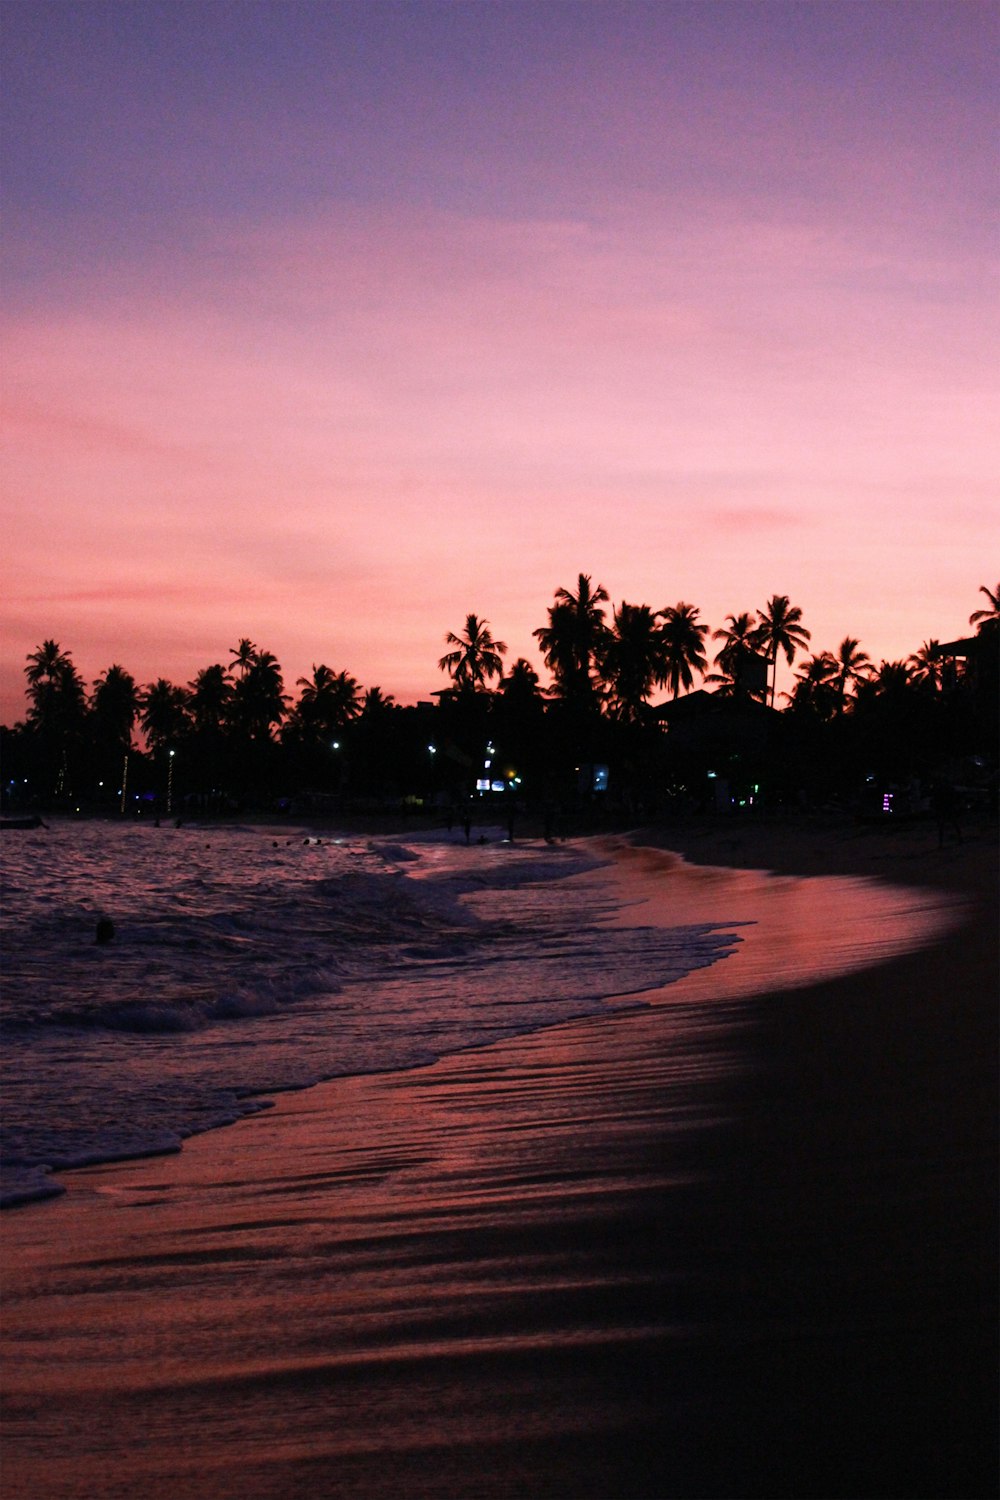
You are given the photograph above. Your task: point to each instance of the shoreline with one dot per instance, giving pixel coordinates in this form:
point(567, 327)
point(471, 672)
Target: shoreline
point(763, 847)
point(685, 1250)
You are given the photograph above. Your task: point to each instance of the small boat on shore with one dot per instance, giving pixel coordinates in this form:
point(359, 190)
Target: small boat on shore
point(34, 822)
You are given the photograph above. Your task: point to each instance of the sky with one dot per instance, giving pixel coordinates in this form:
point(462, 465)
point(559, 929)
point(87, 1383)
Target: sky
point(326, 324)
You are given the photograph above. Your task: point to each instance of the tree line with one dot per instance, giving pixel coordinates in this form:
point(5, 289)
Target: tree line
point(235, 735)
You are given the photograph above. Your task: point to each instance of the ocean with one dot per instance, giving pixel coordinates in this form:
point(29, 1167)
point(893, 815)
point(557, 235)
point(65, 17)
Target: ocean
point(249, 960)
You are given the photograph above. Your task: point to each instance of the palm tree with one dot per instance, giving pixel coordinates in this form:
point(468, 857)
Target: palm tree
point(738, 635)
point(315, 689)
point(57, 712)
point(780, 629)
point(816, 687)
point(376, 703)
point(890, 681)
point(55, 687)
point(345, 698)
point(163, 713)
point(633, 658)
point(520, 682)
point(476, 657)
point(926, 667)
point(987, 619)
point(684, 645)
point(211, 700)
point(328, 701)
point(572, 640)
point(114, 703)
point(737, 656)
point(259, 699)
point(851, 666)
point(48, 663)
point(243, 655)
point(211, 695)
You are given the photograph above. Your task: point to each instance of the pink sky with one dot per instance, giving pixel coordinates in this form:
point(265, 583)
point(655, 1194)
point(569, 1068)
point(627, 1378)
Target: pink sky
point(330, 353)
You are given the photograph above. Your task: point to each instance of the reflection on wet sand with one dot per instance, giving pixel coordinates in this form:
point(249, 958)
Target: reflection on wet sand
point(793, 931)
point(717, 1247)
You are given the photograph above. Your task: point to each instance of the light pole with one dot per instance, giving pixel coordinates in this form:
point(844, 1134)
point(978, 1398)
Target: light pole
point(170, 782)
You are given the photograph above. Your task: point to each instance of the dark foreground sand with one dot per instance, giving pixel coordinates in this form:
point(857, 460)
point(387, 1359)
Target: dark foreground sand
point(720, 1247)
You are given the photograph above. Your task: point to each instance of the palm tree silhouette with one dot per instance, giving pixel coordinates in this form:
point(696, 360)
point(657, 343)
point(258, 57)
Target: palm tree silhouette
point(851, 666)
point(48, 663)
point(683, 641)
point(328, 701)
point(816, 691)
point(57, 712)
point(211, 696)
point(163, 713)
point(738, 635)
point(375, 703)
point(476, 657)
point(114, 703)
point(891, 680)
point(987, 618)
point(520, 681)
point(740, 641)
point(633, 658)
point(572, 640)
point(55, 689)
point(260, 700)
point(780, 629)
point(243, 655)
point(927, 667)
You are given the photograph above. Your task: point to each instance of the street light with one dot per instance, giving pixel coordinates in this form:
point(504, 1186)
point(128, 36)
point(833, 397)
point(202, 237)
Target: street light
point(170, 782)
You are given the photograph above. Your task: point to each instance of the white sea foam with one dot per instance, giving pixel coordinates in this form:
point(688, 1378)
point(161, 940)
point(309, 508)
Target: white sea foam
point(247, 961)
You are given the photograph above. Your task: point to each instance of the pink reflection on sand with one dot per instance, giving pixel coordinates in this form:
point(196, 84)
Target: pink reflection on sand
point(794, 931)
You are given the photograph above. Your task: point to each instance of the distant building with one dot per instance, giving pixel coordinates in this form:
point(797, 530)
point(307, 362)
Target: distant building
point(708, 722)
point(967, 659)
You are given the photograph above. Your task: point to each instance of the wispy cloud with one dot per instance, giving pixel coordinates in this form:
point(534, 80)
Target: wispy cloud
point(698, 312)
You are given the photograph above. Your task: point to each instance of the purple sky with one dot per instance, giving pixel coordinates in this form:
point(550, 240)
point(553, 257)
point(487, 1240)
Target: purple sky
point(328, 324)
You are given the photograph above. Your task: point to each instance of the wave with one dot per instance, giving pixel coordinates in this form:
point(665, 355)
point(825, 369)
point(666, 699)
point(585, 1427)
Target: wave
point(240, 967)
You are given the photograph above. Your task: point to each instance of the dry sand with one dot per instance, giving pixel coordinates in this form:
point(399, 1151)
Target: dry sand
point(739, 1243)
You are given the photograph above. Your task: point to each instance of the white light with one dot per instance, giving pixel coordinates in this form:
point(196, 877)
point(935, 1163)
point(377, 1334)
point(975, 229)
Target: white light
point(335, 745)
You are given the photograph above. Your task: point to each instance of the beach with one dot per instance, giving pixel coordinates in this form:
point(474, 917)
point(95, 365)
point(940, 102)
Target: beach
point(737, 1241)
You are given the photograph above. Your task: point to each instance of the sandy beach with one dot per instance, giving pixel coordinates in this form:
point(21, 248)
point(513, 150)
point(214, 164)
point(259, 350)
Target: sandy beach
point(738, 1242)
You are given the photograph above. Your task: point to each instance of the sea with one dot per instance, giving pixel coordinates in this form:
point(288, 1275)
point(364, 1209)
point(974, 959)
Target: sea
point(247, 960)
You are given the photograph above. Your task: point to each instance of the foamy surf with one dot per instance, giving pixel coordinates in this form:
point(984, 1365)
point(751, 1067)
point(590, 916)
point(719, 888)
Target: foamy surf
point(247, 961)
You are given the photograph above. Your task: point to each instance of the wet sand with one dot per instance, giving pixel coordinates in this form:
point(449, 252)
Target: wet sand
point(739, 1243)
